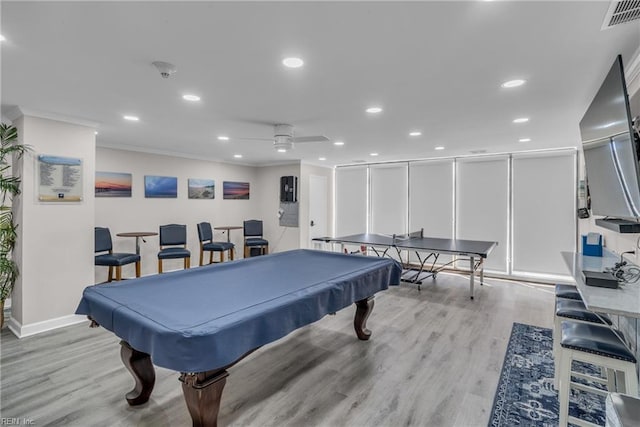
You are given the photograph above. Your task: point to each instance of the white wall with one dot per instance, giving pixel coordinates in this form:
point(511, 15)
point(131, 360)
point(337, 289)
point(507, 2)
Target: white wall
point(55, 240)
point(268, 202)
point(138, 213)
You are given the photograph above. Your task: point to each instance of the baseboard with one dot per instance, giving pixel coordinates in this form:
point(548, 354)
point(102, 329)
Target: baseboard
point(22, 331)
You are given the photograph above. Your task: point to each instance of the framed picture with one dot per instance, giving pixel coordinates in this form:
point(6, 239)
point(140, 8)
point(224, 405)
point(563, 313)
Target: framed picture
point(235, 190)
point(160, 187)
point(201, 188)
point(113, 184)
point(59, 179)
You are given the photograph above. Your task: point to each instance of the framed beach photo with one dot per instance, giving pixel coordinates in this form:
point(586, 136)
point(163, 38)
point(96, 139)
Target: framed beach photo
point(113, 184)
point(160, 187)
point(201, 188)
point(235, 190)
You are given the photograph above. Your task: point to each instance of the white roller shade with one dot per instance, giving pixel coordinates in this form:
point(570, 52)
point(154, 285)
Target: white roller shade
point(389, 198)
point(431, 200)
point(351, 200)
point(544, 211)
point(431, 197)
point(482, 205)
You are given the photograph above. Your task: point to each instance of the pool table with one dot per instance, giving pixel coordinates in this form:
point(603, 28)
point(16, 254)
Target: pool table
point(202, 321)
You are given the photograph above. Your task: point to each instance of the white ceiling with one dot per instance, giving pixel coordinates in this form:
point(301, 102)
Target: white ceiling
point(433, 66)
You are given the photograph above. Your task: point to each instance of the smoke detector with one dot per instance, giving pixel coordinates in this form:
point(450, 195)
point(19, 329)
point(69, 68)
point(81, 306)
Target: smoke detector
point(165, 68)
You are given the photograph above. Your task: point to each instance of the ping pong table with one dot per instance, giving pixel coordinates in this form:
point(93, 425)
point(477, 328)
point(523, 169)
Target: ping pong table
point(425, 249)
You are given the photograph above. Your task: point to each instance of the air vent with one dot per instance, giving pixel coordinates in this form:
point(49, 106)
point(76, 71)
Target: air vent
point(621, 12)
point(478, 151)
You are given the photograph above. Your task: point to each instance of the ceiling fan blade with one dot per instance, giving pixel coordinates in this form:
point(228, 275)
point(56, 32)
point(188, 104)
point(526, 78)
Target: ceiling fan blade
point(251, 139)
point(318, 138)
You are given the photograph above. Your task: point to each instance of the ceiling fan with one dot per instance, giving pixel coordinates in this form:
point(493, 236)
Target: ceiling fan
point(283, 139)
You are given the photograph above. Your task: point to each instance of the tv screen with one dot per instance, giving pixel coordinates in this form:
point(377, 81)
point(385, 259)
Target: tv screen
point(610, 152)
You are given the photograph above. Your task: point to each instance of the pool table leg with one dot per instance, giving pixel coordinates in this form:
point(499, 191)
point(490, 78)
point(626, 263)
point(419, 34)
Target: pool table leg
point(140, 366)
point(363, 310)
point(203, 391)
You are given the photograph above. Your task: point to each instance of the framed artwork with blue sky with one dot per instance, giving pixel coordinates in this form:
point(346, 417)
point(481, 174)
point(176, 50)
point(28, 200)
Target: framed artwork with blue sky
point(160, 187)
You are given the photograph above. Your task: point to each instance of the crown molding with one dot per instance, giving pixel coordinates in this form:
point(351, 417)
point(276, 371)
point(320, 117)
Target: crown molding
point(15, 112)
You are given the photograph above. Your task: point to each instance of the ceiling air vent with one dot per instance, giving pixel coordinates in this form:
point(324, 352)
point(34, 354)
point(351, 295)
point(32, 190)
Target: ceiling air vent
point(478, 151)
point(620, 12)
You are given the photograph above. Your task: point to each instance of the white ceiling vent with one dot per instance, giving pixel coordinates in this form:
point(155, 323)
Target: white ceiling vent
point(621, 12)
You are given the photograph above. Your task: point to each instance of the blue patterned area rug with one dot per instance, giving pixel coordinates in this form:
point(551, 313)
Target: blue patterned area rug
point(525, 395)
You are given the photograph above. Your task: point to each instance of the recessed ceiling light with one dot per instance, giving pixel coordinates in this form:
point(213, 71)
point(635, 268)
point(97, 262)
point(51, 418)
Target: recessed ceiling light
point(131, 118)
point(415, 133)
point(373, 154)
point(282, 150)
point(439, 147)
point(223, 138)
point(95, 132)
point(322, 158)
point(524, 139)
point(338, 143)
point(521, 120)
point(2, 38)
point(237, 156)
point(513, 83)
point(293, 62)
point(374, 110)
point(191, 97)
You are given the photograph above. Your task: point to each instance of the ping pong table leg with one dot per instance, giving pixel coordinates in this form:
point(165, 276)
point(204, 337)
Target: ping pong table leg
point(472, 275)
point(481, 271)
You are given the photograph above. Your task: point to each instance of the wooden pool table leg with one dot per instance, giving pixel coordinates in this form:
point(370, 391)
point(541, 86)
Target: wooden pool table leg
point(203, 391)
point(140, 366)
point(363, 310)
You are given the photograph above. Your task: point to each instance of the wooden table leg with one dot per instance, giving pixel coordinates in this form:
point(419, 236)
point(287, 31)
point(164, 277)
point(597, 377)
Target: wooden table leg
point(202, 392)
point(363, 310)
point(140, 366)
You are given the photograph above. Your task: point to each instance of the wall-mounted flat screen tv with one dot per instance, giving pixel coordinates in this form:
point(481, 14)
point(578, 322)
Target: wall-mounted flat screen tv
point(610, 151)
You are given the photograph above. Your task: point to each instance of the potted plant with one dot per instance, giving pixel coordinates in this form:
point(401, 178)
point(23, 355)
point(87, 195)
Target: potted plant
point(9, 187)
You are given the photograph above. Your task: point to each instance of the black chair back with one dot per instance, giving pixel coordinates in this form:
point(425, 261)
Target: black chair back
point(173, 234)
point(204, 232)
point(102, 239)
point(253, 227)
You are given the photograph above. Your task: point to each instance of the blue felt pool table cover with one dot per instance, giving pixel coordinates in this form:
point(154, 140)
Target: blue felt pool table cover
point(207, 317)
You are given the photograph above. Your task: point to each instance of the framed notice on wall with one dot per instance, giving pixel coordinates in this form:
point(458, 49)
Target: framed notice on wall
point(59, 179)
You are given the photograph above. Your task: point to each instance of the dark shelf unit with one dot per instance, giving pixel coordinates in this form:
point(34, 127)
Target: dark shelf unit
point(619, 225)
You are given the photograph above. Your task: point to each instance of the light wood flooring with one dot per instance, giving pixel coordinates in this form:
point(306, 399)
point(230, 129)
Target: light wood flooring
point(433, 360)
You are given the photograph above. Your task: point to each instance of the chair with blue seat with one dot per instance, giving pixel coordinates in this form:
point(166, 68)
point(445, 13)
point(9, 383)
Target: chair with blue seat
point(103, 243)
point(173, 235)
point(576, 311)
point(567, 292)
point(597, 345)
point(253, 238)
point(205, 235)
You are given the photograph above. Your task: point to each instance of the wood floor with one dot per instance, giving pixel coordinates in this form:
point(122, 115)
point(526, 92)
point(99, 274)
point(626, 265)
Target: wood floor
point(433, 360)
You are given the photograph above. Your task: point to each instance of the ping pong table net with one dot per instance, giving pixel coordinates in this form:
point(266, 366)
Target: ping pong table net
point(398, 238)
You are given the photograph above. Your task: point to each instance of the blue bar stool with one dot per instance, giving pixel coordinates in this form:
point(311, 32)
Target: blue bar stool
point(568, 292)
point(569, 309)
point(600, 346)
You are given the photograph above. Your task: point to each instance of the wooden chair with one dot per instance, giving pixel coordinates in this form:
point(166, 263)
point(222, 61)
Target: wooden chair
point(253, 237)
point(205, 235)
point(103, 243)
point(173, 235)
